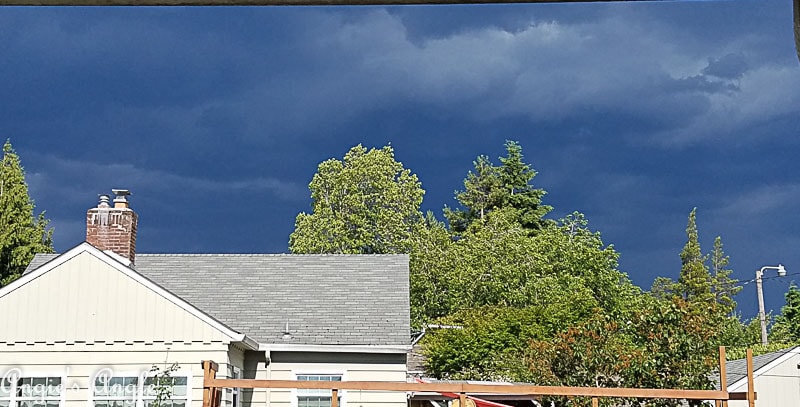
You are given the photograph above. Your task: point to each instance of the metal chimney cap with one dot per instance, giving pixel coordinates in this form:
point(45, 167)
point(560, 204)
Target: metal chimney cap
point(120, 198)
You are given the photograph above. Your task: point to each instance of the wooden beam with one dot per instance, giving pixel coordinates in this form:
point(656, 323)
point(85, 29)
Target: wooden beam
point(595, 402)
point(741, 395)
point(334, 397)
point(723, 374)
point(474, 388)
point(751, 399)
point(209, 374)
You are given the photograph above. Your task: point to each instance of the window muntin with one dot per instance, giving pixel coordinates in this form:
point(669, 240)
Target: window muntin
point(31, 391)
point(317, 397)
point(117, 391)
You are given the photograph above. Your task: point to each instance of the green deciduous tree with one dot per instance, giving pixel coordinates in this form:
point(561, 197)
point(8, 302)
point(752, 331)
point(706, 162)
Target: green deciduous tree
point(367, 203)
point(497, 274)
point(22, 234)
point(661, 344)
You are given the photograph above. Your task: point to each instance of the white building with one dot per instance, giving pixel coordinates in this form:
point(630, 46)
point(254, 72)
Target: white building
point(776, 378)
point(83, 328)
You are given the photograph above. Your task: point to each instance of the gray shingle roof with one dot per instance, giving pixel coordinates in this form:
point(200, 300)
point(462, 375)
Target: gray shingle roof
point(326, 299)
point(737, 369)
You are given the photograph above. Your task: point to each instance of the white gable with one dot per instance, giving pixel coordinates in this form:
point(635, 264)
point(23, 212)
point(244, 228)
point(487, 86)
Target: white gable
point(85, 295)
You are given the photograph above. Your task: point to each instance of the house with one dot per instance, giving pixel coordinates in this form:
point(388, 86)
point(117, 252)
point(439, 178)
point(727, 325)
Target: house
point(776, 378)
point(84, 328)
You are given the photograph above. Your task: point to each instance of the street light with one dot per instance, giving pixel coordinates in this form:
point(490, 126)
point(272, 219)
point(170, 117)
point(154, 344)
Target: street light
point(761, 314)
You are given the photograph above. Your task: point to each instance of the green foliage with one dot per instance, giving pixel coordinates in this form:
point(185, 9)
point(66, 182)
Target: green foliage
point(787, 324)
point(735, 333)
point(496, 262)
point(160, 380)
point(428, 266)
point(367, 203)
point(22, 234)
point(694, 281)
point(500, 277)
point(723, 286)
point(697, 284)
point(485, 343)
point(491, 187)
point(664, 344)
point(482, 193)
point(740, 352)
point(516, 177)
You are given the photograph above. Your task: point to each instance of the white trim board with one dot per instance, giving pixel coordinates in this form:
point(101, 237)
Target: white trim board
point(334, 348)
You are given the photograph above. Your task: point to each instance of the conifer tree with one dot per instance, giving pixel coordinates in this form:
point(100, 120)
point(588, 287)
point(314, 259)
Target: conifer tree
point(21, 234)
point(694, 281)
point(723, 285)
point(516, 177)
point(507, 186)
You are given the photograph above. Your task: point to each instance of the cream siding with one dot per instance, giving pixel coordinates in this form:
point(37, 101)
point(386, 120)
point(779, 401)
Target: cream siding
point(350, 369)
point(79, 364)
point(86, 300)
point(777, 386)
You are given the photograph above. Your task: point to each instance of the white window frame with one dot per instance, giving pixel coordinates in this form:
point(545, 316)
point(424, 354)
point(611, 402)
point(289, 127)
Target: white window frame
point(140, 398)
point(319, 372)
point(17, 375)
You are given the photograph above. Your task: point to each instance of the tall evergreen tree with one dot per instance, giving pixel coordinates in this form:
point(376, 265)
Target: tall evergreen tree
point(21, 234)
point(694, 281)
point(481, 194)
point(507, 186)
point(723, 286)
point(516, 177)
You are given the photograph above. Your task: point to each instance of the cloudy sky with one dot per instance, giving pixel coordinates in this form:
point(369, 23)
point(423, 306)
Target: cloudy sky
point(216, 118)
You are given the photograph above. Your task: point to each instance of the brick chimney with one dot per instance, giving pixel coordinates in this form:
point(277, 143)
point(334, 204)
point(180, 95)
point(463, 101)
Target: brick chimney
point(114, 228)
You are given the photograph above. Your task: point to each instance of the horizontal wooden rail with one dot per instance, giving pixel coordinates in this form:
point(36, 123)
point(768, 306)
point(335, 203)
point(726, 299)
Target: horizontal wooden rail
point(472, 388)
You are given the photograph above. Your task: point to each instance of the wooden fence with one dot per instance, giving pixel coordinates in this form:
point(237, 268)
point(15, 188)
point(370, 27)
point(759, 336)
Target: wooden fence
point(212, 388)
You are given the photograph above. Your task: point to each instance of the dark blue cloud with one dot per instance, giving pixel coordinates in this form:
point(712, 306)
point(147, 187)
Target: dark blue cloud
point(216, 118)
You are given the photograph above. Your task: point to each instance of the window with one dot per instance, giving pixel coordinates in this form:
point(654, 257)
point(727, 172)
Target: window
point(5, 393)
point(38, 391)
point(178, 387)
point(317, 397)
point(233, 398)
point(137, 391)
point(116, 391)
